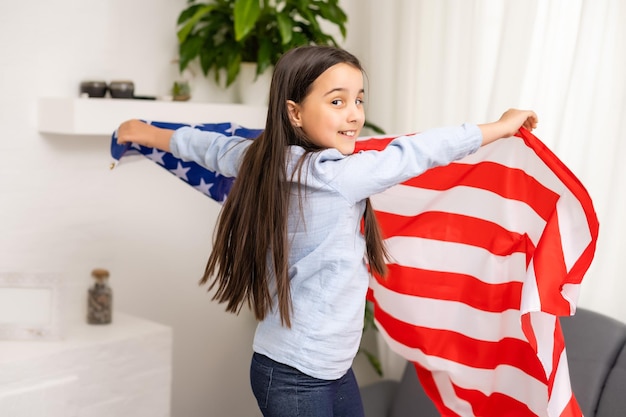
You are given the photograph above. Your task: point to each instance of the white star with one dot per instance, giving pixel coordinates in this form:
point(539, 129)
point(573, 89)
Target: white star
point(156, 156)
point(203, 186)
point(233, 128)
point(181, 172)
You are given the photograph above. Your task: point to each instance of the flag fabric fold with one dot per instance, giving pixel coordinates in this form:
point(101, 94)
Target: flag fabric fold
point(487, 253)
point(207, 182)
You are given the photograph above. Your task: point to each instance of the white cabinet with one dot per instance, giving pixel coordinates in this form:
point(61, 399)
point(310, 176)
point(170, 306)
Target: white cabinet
point(121, 369)
point(101, 116)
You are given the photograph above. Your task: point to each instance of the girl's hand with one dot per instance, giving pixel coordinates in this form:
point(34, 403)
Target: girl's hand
point(508, 125)
point(513, 119)
point(144, 134)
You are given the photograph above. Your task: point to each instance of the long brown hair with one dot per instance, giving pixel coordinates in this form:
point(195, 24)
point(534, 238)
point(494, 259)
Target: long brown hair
point(250, 243)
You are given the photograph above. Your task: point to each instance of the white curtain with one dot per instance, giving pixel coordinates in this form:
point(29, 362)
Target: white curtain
point(440, 62)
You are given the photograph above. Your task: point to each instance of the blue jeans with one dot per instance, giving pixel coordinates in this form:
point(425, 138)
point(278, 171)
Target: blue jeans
point(283, 391)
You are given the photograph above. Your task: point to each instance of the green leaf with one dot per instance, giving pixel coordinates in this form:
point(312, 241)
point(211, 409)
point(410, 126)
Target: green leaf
point(264, 59)
point(310, 16)
point(334, 14)
point(375, 128)
point(187, 13)
point(285, 27)
point(368, 319)
point(185, 30)
point(232, 70)
point(207, 59)
point(373, 360)
point(246, 14)
point(300, 38)
point(187, 51)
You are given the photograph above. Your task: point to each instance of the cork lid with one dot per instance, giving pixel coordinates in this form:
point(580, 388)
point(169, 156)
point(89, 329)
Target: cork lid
point(100, 274)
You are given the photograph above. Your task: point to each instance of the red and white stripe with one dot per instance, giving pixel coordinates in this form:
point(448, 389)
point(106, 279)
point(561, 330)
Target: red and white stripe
point(487, 253)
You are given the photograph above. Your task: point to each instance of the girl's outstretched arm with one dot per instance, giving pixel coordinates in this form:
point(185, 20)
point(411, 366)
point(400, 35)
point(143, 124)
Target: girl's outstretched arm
point(144, 134)
point(508, 124)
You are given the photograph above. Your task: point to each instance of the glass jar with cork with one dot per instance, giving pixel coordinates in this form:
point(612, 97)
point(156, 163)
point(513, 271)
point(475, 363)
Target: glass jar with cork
point(100, 298)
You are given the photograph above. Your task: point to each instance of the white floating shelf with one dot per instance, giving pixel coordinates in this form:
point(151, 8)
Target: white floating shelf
point(101, 116)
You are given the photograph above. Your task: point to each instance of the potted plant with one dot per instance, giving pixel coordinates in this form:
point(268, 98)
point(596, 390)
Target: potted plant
point(222, 34)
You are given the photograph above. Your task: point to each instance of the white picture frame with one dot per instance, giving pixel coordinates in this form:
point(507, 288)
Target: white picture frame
point(30, 306)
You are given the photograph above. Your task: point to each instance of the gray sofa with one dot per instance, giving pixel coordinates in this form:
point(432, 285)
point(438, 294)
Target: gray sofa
point(597, 362)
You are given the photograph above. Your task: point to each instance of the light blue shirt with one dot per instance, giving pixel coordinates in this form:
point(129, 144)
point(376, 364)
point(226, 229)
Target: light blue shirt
point(329, 277)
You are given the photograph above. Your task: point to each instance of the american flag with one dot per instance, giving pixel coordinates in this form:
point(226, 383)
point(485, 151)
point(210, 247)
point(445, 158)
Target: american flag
point(487, 253)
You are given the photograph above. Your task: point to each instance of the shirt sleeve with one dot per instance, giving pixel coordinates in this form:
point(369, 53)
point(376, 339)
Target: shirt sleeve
point(214, 151)
point(371, 172)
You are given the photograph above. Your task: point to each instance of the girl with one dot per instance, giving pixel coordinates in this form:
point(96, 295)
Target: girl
point(288, 241)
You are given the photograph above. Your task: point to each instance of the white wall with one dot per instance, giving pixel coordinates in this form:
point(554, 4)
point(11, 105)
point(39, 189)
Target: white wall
point(62, 209)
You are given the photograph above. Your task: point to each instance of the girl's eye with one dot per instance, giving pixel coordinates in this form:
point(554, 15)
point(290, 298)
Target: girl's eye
point(359, 101)
point(337, 102)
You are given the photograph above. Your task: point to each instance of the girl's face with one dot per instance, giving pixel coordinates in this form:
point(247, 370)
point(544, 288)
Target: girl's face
point(332, 114)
